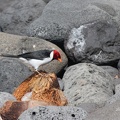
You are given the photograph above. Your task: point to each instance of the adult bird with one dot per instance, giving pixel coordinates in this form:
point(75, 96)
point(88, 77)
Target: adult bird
point(37, 58)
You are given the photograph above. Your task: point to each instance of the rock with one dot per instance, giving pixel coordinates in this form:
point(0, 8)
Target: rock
point(20, 14)
point(117, 89)
point(12, 110)
point(12, 73)
point(111, 112)
point(87, 83)
point(111, 70)
point(4, 96)
point(4, 4)
point(60, 16)
point(53, 112)
point(13, 44)
point(41, 87)
point(94, 42)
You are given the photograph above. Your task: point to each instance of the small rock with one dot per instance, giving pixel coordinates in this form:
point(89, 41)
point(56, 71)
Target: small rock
point(54, 113)
point(111, 70)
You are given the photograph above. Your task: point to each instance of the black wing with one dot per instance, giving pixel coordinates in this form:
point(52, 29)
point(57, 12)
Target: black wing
point(41, 54)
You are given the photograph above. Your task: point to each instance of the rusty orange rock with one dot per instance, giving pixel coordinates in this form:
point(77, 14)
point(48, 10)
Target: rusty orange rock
point(43, 87)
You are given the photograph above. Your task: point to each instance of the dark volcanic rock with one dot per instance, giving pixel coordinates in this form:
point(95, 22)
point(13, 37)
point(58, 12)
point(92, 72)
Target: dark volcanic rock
point(54, 113)
point(94, 42)
point(59, 16)
point(20, 14)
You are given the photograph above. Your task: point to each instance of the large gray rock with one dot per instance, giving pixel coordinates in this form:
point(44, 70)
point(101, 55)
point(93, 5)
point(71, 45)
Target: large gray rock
point(95, 42)
point(54, 113)
point(13, 44)
point(111, 112)
point(20, 14)
point(4, 96)
point(87, 83)
point(59, 16)
point(12, 73)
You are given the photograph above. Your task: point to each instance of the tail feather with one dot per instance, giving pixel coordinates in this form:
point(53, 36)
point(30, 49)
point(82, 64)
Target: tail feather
point(8, 55)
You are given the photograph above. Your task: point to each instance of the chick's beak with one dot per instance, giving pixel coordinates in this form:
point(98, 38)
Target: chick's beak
point(59, 59)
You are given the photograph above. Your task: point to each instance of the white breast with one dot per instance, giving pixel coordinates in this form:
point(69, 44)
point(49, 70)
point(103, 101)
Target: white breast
point(36, 63)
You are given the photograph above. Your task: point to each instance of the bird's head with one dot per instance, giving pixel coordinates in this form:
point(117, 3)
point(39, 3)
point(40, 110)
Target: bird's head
point(56, 55)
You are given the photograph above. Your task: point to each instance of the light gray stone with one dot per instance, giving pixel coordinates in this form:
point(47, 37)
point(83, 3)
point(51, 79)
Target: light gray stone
point(4, 96)
point(54, 113)
point(87, 83)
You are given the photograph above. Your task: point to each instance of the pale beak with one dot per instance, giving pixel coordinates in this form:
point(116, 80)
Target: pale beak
point(59, 59)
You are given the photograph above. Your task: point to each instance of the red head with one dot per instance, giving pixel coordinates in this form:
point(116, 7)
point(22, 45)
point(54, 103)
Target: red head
point(56, 55)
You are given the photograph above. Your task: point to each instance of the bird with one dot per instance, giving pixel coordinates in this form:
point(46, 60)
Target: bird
point(37, 58)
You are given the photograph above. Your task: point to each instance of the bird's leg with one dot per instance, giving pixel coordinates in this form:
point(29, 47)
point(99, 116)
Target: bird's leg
point(38, 72)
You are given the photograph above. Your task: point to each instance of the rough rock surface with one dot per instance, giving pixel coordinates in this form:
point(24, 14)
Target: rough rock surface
point(59, 16)
point(110, 112)
point(12, 73)
point(54, 113)
point(95, 42)
point(4, 96)
point(111, 70)
point(87, 83)
point(4, 4)
point(13, 44)
point(20, 14)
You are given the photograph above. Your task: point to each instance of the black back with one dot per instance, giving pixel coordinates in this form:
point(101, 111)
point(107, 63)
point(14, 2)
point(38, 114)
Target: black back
point(40, 55)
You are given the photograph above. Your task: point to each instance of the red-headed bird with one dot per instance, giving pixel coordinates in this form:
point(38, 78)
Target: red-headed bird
point(37, 58)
